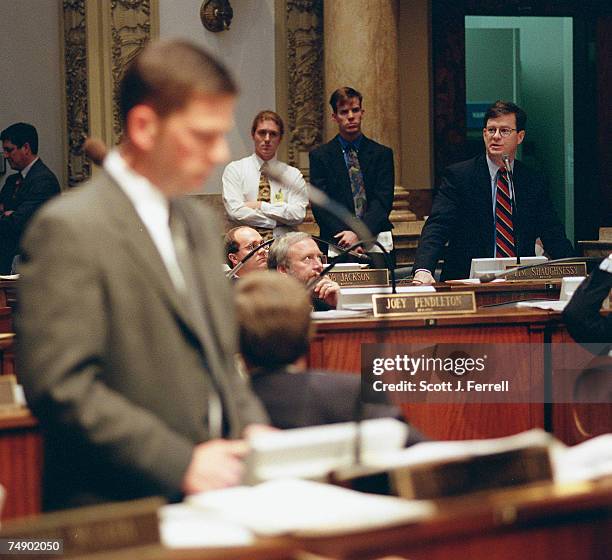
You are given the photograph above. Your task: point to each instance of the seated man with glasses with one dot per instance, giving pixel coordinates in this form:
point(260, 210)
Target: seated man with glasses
point(239, 242)
point(473, 210)
point(298, 255)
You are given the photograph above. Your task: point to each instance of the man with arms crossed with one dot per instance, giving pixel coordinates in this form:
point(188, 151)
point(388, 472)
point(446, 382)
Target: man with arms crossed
point(273, 205)
point(473, 212)
point(126, 326)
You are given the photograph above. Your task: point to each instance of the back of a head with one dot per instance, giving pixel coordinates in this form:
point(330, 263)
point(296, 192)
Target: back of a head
point(167, 73)
point(274, 319)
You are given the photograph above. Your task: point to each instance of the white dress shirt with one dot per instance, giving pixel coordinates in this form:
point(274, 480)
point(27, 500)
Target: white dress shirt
point(288, 197)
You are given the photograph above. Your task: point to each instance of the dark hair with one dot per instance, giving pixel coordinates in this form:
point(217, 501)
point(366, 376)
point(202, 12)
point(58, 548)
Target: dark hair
point(20, 134)
point(165, 74)
point(343, 94)
point(273, 313)
point(230, 243)
point(268, 115)
point(500, 108)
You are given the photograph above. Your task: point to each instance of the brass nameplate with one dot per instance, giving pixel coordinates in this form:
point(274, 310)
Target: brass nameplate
point(423, 304)
point(361, 278)
point(7, 390)
point(551, 271)
point(94, 529)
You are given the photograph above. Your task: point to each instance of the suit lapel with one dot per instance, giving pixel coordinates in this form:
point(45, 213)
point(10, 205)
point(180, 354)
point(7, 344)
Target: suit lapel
point(339, 167)
point(209, 284)
point(484, 198)
point(141, 249)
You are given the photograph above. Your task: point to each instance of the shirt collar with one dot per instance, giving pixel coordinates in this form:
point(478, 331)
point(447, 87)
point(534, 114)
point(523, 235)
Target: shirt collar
point(27, 168)
point(494, 168)
point(138, 189)
point(348, 145)
point(260, 161)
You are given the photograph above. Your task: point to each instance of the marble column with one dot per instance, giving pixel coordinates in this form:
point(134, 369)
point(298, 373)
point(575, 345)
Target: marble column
point(361, 51)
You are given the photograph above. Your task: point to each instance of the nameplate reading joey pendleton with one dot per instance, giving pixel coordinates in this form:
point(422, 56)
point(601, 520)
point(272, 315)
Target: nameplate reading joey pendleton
point(413, 305)
point(368, 277)
point(551, 271)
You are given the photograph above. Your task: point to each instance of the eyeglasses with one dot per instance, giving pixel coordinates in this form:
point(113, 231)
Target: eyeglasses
point(504, 132)
point(256, 245)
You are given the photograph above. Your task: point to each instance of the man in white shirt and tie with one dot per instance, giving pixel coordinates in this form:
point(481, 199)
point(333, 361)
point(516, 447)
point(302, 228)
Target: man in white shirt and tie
point(272, 205)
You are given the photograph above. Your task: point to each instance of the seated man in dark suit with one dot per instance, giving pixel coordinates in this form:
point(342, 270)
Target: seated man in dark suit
point(23, 192)
point(472, 210)
point(275, 328)
point(297, 255)
point(584, 321)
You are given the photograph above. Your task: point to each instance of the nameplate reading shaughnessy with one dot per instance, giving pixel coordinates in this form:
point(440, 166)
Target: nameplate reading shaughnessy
point(551, 271)
point(423, 304)
point(369, 277)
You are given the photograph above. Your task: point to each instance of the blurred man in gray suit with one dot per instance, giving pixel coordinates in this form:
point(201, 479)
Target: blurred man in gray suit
point(126, 325)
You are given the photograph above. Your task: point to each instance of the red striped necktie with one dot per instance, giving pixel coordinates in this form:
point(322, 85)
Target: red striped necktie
point(504, 231)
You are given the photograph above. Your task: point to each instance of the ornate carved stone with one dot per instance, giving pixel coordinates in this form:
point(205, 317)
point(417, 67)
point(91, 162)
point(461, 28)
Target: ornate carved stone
point(100, 38)
point(130, 30)
point(305, 79)
point(77, 108)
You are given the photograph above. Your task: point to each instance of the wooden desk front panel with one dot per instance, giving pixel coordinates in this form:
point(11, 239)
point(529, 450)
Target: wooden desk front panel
point(557, 528)
point(337, 347)
point(575, 423)
point(21, 459)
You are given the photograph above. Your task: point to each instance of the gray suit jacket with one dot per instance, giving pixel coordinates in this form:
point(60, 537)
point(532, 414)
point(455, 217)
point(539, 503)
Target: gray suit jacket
point(111, 361)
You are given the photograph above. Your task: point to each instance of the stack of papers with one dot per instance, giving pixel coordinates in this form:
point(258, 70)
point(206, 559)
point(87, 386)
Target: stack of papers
point(552, 304)
point(303, 507)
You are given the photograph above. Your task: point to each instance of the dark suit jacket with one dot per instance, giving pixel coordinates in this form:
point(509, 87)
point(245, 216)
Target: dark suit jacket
point(110, 358)
point(584, 321)
point(39, 185)
point(462, 214)
point(328, 172)
point(312, 398)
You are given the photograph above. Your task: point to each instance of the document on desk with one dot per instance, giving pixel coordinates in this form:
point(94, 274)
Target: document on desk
point(552, 304)
point(590, 460)
point(186, 526)
point(440, 451)
point(307, 508)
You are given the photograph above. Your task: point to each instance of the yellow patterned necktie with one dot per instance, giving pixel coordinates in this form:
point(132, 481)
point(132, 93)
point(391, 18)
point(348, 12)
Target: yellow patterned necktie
point(264, 185)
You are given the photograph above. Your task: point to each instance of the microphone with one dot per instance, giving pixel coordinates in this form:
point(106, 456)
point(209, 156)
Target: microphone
point(360, 257)
point(506, 160)
point(489, 277)
point(95, 150)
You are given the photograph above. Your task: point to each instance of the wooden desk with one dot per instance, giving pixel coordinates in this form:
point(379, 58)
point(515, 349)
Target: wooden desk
point(21, 459)
point(509, 291)
point(540, 522)
point(8, 292)
point(337, 347)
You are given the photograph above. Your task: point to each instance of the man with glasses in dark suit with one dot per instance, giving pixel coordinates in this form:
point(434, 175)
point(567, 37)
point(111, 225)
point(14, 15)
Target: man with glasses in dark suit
point(23, 192)
point(473, 210)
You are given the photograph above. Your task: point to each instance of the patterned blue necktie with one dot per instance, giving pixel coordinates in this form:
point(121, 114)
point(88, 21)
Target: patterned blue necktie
point(357, 185)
